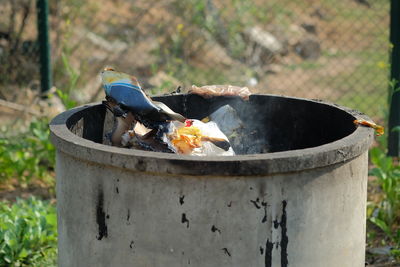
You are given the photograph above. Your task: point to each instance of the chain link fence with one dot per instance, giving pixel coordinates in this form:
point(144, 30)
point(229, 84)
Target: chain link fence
point(334, 50)
point(19, 50)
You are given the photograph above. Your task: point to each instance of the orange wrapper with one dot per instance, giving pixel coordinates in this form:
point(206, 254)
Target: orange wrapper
point(379, 129)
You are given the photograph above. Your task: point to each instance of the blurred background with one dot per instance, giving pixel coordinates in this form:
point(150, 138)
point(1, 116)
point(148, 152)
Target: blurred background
point(321, 49)
point(333, 50)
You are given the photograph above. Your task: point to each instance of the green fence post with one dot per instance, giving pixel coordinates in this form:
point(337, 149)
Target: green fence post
point(394, 115)
point(44, 44)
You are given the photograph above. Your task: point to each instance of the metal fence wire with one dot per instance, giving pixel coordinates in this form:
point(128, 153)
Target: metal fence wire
point(19, 50)
point(334, 50)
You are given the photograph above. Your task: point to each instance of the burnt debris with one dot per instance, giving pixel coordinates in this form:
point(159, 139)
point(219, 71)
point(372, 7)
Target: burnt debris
point(185, 220)
point(142, 123)
point(226, 251)
point(181, 199)
point(283, 243)
point(215, 229)
point(101, 217)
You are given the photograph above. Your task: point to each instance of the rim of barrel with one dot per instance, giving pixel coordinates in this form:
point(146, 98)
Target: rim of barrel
point(341, 150)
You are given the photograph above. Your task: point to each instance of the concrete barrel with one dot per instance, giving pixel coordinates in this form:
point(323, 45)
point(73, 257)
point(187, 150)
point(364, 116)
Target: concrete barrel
point(301, 204)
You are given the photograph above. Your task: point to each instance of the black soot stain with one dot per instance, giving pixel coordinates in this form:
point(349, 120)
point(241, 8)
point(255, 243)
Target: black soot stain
point(268, 253)
point(264, 219)
point(215, 229)
point(141, 165)
point(181, 199)
point(185, 220)
point(101, 216)
point(116, 187)
point(256, 203)
point(128, 215)
point(276, 224)
point(285, 240)
point(261, 250)
point(226, 251)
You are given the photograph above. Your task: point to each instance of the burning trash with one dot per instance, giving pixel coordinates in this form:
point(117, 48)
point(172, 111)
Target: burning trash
point(141, 123)
point(198, 138)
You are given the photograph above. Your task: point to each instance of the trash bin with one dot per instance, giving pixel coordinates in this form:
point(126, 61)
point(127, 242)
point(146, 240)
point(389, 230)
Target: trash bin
point(301, 204)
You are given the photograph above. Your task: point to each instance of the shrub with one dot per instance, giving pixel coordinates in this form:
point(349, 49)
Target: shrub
point(386, 213)
point(28, 154)
point(28, 233)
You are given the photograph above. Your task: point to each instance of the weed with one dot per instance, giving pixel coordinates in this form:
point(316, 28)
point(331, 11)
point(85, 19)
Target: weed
point(73, 77)
point(28, 233)
point(66, 99)
point(162, 88)
point(386, 214)
point(28, 154)
point(306, 65)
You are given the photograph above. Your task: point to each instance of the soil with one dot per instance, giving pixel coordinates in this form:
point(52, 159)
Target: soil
point(12, 189)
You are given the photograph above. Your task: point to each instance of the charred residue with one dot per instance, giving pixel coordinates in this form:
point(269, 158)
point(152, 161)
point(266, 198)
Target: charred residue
point(116, 187)
point(226, 251)
point(268, 253)
point(101, 216)
point(276, 224)
point(285, 239)
point(256, 203)
point(283, 243)
point(215, 229)
point(128, 216)
point(185, 220)
point(141, 165)
point(264, 204)
point(181, 199)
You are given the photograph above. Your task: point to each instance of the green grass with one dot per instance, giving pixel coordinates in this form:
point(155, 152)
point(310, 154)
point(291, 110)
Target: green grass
point(364, 86)
point(27, 155)
point(371, 103)
point(343, 11)
point(305, 65)
point(28, 233)
point(194, 75)
point(189, 75)
point(386, 214)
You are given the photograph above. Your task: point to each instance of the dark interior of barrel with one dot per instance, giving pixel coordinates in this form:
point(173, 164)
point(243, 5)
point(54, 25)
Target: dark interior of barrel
point(270, 123)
